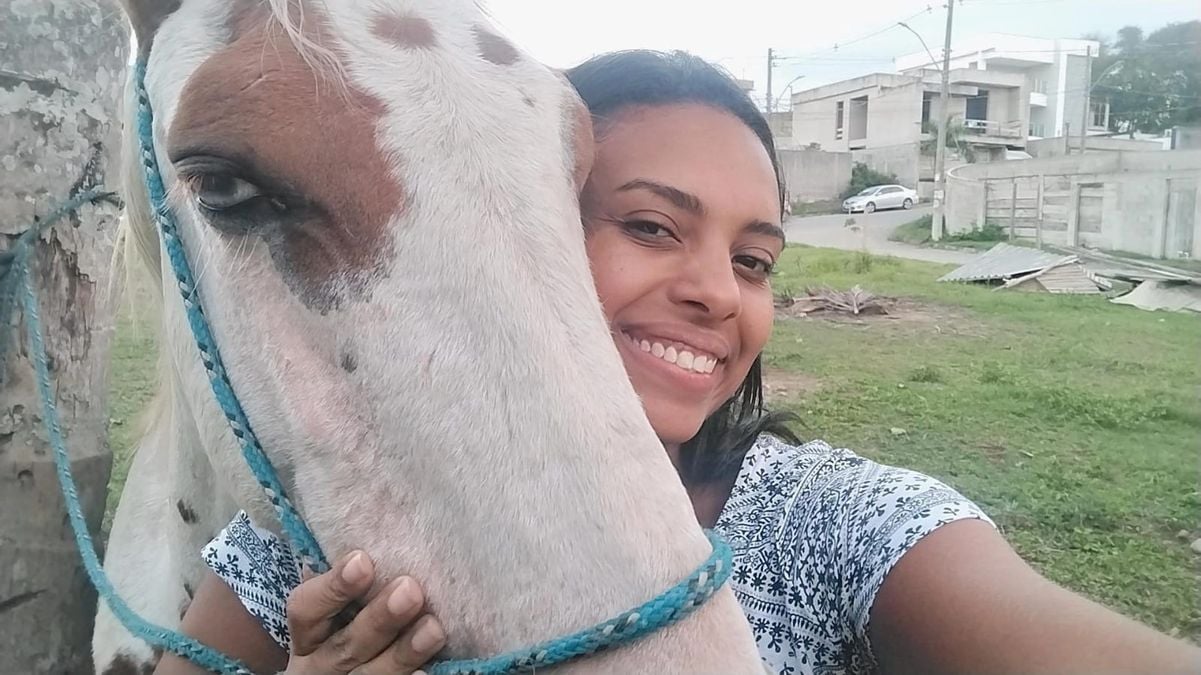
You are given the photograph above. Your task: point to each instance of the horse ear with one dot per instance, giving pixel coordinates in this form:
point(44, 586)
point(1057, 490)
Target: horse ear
point(146, 16)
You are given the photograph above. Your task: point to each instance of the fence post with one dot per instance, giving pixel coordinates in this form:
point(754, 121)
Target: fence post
point(1038, 225)
point(1013, 208)
point(1161, 235)
point(982, 207)
point(1074, 216)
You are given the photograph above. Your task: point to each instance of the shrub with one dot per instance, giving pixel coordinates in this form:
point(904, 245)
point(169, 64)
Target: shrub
point(863, 176)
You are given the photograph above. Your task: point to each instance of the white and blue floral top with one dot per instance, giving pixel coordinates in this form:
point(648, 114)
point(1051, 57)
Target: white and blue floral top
point(814, 531)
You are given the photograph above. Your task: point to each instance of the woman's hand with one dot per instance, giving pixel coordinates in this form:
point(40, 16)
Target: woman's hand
point(391, 635)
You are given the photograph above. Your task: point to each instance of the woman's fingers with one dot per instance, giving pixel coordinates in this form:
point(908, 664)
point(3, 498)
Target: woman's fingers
point(314, 604)
point(380, 624)
point(406, 656)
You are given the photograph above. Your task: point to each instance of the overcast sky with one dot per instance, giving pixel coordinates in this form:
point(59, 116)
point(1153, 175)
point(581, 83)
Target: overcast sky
point(737, 33)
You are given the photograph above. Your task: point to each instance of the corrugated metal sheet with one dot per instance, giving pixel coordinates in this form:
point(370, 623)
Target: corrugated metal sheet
point(1163, 295)
point(1068, 279)
point(1003, 262)
point(1072, 278)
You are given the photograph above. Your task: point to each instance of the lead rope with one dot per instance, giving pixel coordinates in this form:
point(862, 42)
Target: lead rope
point(157, 636)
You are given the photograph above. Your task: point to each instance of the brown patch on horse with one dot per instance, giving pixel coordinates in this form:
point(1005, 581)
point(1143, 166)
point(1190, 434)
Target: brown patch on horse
point(494, 48)
point(258, 108)
point(403, 30)
point(186, 513)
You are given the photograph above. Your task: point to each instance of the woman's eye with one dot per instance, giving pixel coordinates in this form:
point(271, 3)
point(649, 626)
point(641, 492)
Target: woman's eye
point(759, 266)
point(221, 192)
point(647, 228)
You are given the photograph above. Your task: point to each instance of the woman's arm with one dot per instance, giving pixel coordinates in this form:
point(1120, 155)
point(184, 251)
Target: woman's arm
point(217, 618)
point(391, 634)
point(962, 601)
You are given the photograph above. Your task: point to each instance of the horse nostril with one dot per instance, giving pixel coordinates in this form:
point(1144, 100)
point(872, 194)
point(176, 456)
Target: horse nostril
point(349, 364)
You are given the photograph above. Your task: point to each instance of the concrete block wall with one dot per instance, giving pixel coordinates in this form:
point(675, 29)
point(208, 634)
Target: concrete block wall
point(1054, 147)
point(1139, 202)
point(813, 175)
point(903, 160)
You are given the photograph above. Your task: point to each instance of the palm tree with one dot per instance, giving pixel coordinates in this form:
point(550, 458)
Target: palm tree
point(956, 138)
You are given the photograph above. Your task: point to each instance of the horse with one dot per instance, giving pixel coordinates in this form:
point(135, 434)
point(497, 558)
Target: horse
point(380, 199)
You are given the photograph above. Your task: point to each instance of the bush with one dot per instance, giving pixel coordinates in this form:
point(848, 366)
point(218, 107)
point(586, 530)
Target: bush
point(863, 176)
point(917, 233)
point(990, 232)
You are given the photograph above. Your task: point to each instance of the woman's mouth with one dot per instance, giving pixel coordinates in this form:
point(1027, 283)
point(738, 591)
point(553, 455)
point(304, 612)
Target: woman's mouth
point(686, 358)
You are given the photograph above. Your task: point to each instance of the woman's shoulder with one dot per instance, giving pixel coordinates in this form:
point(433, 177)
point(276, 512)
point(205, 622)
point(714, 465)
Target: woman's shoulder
point(815, 471)
point(814, 487)
point(815, 530)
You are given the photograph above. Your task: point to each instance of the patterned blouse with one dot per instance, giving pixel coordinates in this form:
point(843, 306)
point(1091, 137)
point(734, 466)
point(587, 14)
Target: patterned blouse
point(814, 531)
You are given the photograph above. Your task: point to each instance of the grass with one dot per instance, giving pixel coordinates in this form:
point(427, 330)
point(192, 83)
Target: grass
point(132, 385)
point(1074, 422)
point(815, 208)
point(917, 233)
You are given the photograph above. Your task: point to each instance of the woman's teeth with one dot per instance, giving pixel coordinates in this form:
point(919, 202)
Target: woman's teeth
point(683, 358)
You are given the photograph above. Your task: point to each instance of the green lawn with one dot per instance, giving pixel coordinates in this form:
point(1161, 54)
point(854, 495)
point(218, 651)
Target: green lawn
point(132, 386)
point(1074, 422)
point(917, 233)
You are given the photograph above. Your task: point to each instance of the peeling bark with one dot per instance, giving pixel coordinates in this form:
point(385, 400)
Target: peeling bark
point(60, 90)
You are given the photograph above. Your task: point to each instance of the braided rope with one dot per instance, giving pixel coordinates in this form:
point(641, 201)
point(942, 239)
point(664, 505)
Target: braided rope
point(153, 634)
point(665, 609)
point(294, 528)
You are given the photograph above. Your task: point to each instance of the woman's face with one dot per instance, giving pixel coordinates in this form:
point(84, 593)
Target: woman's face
point(682, 217)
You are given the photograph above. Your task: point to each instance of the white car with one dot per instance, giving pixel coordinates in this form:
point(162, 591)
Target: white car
point(881, 197)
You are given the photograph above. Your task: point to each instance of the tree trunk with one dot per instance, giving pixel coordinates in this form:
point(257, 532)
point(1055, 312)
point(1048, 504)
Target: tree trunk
point(61, 79)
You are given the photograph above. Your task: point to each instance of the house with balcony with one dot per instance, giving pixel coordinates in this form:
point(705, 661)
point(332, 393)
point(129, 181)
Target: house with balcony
point(885, 119)
point(1055, 73)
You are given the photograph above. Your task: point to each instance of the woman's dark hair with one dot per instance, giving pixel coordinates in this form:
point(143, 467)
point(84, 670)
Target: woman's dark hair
point(613, 81)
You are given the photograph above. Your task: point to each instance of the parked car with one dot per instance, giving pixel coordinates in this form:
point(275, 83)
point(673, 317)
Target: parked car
point(881, 197)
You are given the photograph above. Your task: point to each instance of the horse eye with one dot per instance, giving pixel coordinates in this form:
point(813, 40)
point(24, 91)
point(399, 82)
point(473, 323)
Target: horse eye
point(221, 192)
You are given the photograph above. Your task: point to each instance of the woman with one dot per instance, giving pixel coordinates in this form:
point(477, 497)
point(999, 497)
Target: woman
point(841, 565)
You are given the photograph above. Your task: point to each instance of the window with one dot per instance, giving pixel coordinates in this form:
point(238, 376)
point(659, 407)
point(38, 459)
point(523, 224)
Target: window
point(927, 104)
point(1037, 129)
point(1098, 114)
point(839, 109)
point(977, 106)
point(1038, 85)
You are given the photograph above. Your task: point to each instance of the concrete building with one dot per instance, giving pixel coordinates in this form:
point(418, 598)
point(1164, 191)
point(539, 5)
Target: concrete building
point(882, 118)
point(1055, 73)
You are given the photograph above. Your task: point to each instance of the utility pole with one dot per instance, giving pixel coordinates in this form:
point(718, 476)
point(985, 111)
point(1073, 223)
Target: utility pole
point(1088, 92)
point(940, 153)
point(771, 62)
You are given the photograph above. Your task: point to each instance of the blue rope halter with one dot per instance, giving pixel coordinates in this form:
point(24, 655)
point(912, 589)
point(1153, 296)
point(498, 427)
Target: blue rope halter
point(669, 607)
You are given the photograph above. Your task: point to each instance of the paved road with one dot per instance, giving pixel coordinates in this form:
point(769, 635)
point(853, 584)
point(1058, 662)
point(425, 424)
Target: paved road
point(831, 232)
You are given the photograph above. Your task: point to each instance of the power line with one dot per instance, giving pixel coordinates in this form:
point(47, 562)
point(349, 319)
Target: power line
point(840, 45)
